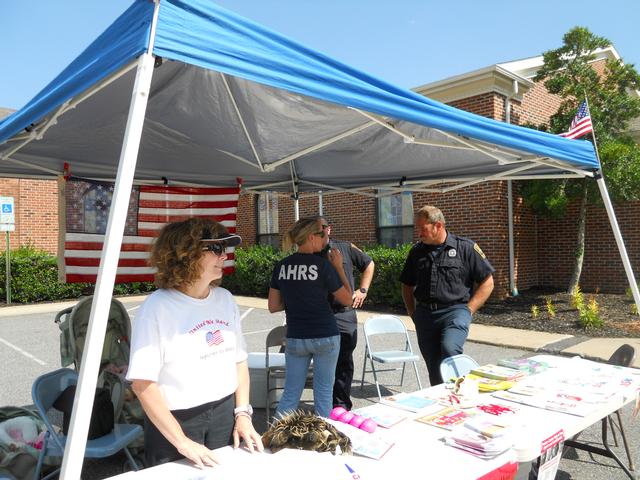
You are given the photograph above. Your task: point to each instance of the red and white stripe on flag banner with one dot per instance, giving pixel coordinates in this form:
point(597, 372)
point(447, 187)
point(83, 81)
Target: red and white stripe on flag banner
point(157, 206)
point(581, 123)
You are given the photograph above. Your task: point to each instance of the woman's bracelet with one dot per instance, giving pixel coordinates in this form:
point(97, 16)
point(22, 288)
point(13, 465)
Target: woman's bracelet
point(243, 414)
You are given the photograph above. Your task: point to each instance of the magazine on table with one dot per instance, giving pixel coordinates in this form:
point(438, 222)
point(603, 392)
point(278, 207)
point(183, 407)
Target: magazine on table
point(363, 443)
point(413, 402)
point(526, 364)
point(447, 418)
point(385, 416)
point(498, 373)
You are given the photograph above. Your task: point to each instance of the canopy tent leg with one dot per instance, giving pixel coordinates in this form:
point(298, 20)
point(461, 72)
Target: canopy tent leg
point(513, 289)
point(618, 236)
point(88, 375)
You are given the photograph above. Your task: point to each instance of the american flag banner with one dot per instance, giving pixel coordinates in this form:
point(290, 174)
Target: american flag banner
point(86, 211)
point(581, 123)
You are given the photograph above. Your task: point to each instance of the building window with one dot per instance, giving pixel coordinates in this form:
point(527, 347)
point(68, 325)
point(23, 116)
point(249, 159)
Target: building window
point(268, 220)
point(395, 219)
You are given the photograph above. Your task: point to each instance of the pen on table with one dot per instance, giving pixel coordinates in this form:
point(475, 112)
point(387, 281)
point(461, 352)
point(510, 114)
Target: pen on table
point(353, 473)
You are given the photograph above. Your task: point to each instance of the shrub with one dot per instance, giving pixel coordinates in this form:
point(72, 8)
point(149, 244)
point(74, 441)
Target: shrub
point(551, 308)
point(535, 312)
point(577, 298)
point(34, 278)
point(254, 266)
point(590, 316)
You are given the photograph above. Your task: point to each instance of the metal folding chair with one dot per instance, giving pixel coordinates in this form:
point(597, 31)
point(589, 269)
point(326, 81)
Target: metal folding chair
point(387, 325)
point(456, 366)
point(44, 392)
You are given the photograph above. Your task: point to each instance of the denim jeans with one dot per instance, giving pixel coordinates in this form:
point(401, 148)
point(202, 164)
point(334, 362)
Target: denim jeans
point(298, 355)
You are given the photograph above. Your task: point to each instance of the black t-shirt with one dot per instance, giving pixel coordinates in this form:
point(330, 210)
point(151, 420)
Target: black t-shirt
point(305, 281)
point(445, 273)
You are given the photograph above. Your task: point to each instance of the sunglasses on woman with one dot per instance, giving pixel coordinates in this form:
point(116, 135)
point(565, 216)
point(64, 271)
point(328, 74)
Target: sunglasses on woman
point(218, 248)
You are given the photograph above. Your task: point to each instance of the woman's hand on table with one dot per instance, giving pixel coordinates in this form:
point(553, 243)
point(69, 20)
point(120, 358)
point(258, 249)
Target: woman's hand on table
point(244, 430)
point(200, 455)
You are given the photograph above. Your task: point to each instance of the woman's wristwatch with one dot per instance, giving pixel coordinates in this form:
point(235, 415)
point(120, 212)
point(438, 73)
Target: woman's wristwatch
point(246, 410)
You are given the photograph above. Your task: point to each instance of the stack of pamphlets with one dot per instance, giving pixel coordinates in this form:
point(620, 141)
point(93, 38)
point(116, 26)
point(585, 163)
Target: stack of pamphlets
point(384, 415)
point(526, 364)
point(499, 373)
point(413, 402)
point(477, 444)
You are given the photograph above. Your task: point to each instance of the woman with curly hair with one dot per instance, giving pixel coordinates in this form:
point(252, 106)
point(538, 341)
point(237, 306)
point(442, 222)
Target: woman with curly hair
point(300, 285)
point(188, 362)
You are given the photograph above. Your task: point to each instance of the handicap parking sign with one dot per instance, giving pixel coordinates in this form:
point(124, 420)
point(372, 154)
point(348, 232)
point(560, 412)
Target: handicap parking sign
point(7, 216)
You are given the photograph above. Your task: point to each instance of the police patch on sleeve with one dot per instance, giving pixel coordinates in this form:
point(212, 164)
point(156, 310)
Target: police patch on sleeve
point(477, 248)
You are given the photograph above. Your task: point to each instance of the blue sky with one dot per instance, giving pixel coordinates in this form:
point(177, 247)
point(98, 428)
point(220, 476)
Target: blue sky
point(407, 42)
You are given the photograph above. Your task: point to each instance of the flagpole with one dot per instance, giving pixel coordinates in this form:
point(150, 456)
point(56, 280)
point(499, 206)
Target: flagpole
point(604, 193)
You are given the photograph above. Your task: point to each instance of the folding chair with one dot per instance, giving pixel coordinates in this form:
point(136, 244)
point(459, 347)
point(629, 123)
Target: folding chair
point(622, 357)
point(456, 366)
point(386, 325)
point(275, 374)
point(44, 392)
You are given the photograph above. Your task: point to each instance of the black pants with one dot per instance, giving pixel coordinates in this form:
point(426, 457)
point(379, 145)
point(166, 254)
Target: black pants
point(344, 370)
point(441, 334)
point(210, 424)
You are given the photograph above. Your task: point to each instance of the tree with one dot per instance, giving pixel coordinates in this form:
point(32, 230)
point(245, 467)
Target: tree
point(568, 72)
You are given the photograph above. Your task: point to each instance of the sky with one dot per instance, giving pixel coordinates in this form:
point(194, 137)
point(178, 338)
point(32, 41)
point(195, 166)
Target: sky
point(407, 42)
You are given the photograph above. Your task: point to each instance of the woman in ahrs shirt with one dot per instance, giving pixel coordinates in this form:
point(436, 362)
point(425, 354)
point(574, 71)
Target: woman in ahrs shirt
point(300, 285)
point(188, 362)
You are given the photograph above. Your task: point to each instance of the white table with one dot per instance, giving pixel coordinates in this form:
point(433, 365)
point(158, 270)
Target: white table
point(418, 449)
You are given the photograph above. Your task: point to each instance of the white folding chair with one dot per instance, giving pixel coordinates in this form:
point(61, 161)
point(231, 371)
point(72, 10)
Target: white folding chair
point(456, 366)
point(387, 325)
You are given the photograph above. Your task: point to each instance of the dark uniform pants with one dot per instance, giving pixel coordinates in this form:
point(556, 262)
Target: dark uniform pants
point(441, 334)
point(210, 424)
point(348, 326)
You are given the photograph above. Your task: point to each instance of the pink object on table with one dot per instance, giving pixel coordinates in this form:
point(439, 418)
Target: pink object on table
point(357, 420)
point(346, 417)
point(336, 413)
point(368, 425)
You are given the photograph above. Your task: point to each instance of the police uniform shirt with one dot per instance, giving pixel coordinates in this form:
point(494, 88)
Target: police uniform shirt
point(305, 282)
point(445, 273)
point(351, 256)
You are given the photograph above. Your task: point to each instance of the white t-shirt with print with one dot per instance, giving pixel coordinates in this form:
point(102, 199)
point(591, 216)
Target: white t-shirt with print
point(188, 346)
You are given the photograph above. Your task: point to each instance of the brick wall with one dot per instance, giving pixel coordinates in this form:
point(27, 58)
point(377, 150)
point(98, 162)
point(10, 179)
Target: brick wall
point(36, 212)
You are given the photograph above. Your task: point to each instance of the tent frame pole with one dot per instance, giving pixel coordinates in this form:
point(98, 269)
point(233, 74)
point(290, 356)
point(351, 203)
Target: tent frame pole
point(604, 193)
point(83, 402)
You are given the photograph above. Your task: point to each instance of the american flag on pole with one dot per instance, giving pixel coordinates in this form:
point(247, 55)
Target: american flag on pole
point(150, 208)
point(581, 123)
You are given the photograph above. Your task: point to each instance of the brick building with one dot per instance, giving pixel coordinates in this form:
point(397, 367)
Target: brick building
point(542, 247)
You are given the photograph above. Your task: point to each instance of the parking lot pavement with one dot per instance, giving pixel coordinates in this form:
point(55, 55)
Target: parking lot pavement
point(29, 346)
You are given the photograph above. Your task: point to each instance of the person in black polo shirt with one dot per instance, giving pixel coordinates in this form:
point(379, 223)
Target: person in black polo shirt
point(445, 280)
point(300, 285)
point(346, 316)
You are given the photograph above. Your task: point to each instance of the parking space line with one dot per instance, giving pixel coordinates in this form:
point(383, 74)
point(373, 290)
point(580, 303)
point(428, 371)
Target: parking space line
point(19, 350)
point(249, 310)
point(258, 331)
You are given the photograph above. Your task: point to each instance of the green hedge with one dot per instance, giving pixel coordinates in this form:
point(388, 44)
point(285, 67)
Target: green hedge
point(34, 276)
point(255, 264)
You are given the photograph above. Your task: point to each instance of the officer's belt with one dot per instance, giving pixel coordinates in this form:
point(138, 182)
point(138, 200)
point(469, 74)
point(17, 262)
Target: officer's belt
point(436, 305)
point(341, 309)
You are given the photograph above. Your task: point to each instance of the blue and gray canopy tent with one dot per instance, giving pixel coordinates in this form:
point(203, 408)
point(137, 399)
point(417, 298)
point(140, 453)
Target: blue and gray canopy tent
point(189, 91)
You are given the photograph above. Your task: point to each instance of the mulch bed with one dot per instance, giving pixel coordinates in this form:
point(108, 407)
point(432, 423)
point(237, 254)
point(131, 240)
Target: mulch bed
point(515, 312)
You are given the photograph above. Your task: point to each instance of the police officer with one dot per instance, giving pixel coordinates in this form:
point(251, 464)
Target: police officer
point(346, 316)
point(438, 281)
